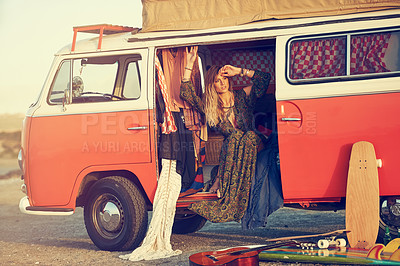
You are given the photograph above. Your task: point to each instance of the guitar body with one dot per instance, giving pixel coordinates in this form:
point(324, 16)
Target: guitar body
point(236, 256)
point(227, 257)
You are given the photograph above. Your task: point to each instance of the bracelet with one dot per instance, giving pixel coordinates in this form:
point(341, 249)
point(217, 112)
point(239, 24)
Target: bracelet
point(188, 68)
point(241, 72)
point(247, 72)
point(185, 80)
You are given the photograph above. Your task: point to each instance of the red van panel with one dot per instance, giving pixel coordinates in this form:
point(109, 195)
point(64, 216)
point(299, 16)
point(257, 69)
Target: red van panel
point(63, 147)
point(315, 151)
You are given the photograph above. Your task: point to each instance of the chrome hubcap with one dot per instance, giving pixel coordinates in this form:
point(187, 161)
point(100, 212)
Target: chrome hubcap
point(108, 215)
point(390, 212)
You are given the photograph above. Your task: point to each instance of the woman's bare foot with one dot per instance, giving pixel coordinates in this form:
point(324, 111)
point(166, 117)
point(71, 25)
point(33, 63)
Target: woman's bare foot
point(215, 186)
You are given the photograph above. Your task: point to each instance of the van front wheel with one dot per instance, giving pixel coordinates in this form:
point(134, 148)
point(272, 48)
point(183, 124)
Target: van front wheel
point(115, 214)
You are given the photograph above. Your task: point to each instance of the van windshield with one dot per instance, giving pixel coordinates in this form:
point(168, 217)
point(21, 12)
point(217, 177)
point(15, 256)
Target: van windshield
point(97, 79)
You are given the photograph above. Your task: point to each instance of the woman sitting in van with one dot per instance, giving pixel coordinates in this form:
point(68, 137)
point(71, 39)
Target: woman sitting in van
point(231, 112)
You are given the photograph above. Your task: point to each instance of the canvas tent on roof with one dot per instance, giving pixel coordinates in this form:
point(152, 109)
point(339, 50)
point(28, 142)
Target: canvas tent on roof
point(161, 15)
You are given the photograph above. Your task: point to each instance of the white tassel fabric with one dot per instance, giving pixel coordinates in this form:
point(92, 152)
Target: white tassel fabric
point(156, 244)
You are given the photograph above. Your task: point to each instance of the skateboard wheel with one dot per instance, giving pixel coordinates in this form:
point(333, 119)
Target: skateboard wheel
point(379, 163)
point(323, 243)
point(323, 252)
point(341, 242)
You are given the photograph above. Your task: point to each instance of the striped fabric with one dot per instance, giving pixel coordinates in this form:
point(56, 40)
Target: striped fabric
point(168, 125)
point(198, 182)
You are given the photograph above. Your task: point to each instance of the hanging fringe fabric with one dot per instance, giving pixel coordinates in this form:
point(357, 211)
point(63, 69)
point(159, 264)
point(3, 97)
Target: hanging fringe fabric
point(156, 244)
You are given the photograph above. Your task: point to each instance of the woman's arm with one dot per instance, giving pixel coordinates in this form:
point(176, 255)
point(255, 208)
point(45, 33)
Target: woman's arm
point(187, 92)
point(191, 55)
point(260, 83)
point(189, 95)
point(260, 79)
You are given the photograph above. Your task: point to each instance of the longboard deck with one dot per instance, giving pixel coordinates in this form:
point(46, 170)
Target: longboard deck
point(362, 196)
point(328, 256)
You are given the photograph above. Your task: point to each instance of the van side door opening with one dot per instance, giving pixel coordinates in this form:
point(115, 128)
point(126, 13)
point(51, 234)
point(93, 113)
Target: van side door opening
point(257, 55)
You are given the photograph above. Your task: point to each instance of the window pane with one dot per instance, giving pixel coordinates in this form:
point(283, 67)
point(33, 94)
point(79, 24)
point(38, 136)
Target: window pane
point(374, 53)
point(60, 84)
point(392, 55)
point(94, 80)
point(318, 58)
point(132, 81)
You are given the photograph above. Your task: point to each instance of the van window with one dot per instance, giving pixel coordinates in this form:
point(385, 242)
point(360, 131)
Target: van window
point(97, 79)
point(131, 86)
point(60, 83)
point(327, 58)
point(392, 55)
point(318, 58)
point(368, 53)
point(94, 80)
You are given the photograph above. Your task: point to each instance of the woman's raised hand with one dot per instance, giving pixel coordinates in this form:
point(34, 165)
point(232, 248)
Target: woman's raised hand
point(191, 55)
point(229, 71)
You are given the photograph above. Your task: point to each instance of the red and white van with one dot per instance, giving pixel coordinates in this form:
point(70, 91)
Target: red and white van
point(90, 140)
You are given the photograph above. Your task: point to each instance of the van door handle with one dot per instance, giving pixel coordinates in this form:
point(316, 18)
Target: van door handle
point(137, 128)
point(290, 119)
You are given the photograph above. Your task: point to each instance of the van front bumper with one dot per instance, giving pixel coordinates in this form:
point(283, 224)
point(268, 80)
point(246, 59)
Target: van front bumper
point(25, 207)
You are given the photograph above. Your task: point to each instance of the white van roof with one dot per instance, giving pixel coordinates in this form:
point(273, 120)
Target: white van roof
point(140, 39)
point(161, 15)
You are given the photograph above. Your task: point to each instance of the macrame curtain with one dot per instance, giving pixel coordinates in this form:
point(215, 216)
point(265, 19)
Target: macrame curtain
point(157, 243)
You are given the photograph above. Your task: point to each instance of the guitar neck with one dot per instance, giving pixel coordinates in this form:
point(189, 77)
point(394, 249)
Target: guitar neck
point(265, 247)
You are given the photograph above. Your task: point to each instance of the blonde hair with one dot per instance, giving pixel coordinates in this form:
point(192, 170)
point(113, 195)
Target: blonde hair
point(212, 103)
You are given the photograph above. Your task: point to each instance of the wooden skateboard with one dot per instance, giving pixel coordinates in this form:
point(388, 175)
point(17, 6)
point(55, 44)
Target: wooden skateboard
point(347, 256)
point(362, 196)
point(378, 255)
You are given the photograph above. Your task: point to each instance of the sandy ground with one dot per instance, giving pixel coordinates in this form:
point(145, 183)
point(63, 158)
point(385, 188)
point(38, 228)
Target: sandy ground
point(62, 240)
point(7, 165)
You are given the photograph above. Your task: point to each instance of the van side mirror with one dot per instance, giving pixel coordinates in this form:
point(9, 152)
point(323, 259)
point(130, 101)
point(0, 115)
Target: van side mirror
point(65, 100)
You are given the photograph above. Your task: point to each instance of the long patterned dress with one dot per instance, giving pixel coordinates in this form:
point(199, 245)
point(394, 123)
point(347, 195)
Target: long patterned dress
point(238, 154)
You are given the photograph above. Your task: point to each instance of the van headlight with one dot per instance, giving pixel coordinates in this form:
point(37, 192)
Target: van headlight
point(24, 189)
point(21, 160)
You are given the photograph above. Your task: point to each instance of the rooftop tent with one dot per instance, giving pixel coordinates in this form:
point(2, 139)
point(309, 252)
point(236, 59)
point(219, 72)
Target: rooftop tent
point(161, 15)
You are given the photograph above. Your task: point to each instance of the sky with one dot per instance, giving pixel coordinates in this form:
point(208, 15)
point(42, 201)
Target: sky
point(31, 32)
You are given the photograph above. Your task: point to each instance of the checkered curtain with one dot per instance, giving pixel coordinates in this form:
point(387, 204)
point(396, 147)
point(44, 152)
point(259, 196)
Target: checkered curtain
point(367, 53)
point(263, 60)
point(318, 58)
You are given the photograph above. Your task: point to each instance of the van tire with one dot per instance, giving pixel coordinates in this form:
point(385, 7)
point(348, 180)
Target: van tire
point(188, 223)
point(387, 218)
point(125, 203)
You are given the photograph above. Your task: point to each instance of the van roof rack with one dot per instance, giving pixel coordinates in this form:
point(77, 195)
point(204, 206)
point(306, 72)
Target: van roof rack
point(101, 29)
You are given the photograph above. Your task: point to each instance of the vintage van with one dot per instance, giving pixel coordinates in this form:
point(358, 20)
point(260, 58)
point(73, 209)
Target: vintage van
point(90, 139)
